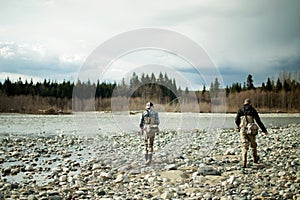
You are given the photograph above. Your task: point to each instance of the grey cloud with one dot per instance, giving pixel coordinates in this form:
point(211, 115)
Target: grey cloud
point(248, 33)
point(258, 37)
point(26, 60)
point(288, 64)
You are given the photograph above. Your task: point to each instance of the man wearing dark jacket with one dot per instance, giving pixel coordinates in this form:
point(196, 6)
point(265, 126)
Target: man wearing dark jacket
point(244, 120)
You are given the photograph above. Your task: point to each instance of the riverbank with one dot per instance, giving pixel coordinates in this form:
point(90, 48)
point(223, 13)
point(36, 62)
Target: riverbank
point(51, 105)
point(131, 112)
point(187, 165)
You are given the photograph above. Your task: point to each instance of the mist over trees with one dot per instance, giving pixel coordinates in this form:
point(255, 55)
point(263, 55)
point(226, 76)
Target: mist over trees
point(275, 95)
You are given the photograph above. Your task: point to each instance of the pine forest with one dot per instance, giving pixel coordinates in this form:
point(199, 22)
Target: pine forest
point(50, 97)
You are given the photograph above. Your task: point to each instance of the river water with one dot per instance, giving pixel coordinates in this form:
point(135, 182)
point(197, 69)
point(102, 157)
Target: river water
point(93, 123)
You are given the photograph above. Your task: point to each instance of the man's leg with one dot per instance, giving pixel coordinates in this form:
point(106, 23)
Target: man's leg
point(245, 147)
point(151, 141)
point(146, 143)
point(253, 144)
point(150, 146)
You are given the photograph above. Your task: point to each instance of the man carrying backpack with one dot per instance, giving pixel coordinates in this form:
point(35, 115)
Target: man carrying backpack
point(149, 125)
point(245, 121)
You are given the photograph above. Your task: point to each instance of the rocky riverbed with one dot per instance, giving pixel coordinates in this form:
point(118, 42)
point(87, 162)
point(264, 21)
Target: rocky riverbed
point(197, 164)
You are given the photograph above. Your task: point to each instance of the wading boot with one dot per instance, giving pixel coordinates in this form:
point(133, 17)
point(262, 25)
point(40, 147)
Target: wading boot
point(256, 159)
point(146, 158)
point(244, 159)
point(148, 162)
point(255, 156)
point(244, 164)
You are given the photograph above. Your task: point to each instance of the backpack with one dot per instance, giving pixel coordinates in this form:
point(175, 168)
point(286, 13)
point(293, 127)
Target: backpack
point(247, 125)
point(149, 117)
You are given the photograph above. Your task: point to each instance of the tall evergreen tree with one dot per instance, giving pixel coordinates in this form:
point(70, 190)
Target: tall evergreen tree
point(286, 86)
point(269, 85)
point(250, 85)
point(278, 85)
point(204, 89)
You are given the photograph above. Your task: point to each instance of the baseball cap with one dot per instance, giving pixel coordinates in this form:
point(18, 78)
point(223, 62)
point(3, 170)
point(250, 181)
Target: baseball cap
point(149, 104)
point(247, 101)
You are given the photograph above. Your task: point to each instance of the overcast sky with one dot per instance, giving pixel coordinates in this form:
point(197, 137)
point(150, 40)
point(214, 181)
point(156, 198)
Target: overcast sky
point(52, 39)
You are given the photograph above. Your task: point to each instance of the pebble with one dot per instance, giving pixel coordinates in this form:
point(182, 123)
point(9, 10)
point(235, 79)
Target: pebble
point(264, 194)
point(63, 178)
point(119, 178)
point(166, 195)
point(209, 171)
point(230, 151)
point(112, 167)
point(32, 197)
point(171, 167)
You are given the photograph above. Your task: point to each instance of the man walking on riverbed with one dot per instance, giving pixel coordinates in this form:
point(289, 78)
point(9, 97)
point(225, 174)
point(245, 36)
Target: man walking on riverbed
point(248, 130)
point(149, 125)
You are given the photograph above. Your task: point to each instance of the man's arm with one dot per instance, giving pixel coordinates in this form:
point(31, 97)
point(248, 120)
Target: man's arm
point(238, 119)
point(142, 121)
point(156, 118)
point(259, 122)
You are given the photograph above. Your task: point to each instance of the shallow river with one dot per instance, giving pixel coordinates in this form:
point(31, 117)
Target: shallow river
point(108, 123)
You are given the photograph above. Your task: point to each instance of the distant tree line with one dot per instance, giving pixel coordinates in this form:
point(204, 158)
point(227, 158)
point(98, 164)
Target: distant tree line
point(52, 88)
point(280, 94)
point(160, 89)
point(284, 83)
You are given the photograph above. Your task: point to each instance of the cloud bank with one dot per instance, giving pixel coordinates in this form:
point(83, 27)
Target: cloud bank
point(51, 39)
